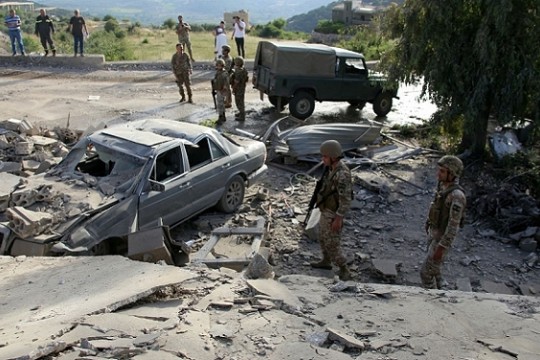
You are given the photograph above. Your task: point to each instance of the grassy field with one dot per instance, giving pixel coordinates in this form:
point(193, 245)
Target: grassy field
point(152, 44)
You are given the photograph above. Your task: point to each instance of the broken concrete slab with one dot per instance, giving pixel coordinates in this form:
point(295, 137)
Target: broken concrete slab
point(495, 288)
point(304, 350)
point(52, 293)
point(387, 268)
point(464, 284)
point(275, 290)
point(350, 342)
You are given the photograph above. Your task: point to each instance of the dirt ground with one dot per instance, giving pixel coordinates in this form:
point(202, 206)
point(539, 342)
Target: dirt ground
point(383, 235)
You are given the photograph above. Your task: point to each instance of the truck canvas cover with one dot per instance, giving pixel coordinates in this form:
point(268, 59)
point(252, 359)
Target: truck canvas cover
point(293, 58)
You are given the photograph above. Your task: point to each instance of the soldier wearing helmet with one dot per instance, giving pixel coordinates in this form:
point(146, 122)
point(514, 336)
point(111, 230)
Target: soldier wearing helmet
point(220, 85)
point(225, 50)
point(334, 200)
point(239, 79)
point(445, 217)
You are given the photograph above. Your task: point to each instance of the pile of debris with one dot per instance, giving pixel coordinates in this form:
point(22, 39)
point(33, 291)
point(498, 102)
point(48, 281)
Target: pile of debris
point(25, 150)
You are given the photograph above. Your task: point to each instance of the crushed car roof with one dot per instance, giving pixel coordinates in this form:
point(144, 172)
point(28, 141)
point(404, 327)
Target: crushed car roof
point(152, 132)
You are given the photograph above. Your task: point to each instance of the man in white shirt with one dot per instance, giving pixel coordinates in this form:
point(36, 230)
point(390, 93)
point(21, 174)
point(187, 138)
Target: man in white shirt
point(239, 33)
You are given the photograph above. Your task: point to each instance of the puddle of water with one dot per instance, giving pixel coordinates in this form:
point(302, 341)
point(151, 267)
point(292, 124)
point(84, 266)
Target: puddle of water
point(408, 109)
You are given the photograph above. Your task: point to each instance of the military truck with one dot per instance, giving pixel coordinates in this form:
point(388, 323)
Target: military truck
point(299, 74)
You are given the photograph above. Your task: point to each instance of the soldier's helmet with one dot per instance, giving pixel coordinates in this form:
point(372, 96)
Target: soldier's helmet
point(331, 148)
point(239, 61)
point(452, 163)
point(226, 47)
point(220, 62)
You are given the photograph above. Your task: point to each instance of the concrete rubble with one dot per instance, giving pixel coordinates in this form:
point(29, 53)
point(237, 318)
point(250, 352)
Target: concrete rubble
point(114, 307)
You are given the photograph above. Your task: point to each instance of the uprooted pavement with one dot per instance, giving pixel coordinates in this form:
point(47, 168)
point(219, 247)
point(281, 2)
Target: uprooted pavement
point(114, 307)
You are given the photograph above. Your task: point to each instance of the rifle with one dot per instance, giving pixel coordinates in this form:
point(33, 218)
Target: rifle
point(214, 92)
point(313, 201)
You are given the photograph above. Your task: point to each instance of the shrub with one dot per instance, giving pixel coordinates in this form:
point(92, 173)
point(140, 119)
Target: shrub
point(169, 24)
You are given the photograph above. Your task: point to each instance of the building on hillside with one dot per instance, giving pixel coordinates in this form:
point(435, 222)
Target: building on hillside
point(17, 5)
point(228, 18)
point(352, 12)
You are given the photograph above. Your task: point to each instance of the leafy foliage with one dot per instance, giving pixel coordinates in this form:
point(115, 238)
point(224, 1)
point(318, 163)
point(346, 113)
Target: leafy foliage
point(169, 23)
point(108, 44)
point(366, 40)
point(276, 30)
point(476, 58)
point(330, 27)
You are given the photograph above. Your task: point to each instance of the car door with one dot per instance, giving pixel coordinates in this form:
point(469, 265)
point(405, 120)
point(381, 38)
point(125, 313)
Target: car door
point(209, 168)
point(166, 195)
point(355, 80)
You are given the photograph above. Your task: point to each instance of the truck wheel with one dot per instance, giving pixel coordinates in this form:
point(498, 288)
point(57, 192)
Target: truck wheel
point(233, 196)
point(357, 103)
point(302, 105)
point(382, 104)
point(274, 101)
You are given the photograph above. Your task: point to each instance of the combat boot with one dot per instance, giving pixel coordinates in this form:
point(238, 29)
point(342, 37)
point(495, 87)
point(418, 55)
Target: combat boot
point(53, 52)
point(190, 99)
point(183, 98)
point(325, 264)
point(344, 273)
point(46, 52)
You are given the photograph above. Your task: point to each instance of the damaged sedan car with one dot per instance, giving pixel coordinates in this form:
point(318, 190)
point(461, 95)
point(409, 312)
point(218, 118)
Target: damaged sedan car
point(128, 178)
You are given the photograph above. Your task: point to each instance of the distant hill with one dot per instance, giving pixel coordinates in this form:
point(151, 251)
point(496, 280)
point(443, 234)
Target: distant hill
point(308, 21)
point(196, 11)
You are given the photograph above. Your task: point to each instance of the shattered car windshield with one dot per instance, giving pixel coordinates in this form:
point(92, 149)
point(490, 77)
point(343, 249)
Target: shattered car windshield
point(98, 166)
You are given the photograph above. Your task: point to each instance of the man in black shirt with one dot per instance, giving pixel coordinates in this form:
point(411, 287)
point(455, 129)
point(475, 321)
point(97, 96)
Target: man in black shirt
point(45, 29)
point(76, 27)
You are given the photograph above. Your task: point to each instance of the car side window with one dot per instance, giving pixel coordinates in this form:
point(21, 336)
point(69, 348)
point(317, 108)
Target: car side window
point(216, 151)
point(199, 154)
point(168, 165)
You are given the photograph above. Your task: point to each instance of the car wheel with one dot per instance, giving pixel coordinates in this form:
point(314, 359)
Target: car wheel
point(302, 105)
point(382, 104)
point(233, 196)
point(357, 103)
point(274, 101)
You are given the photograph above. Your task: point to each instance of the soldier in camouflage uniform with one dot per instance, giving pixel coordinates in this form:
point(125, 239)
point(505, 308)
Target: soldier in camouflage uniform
point(333, 200)
point(182, 30)
point(225, 50)
point(181, 66)
point(221, 84)
point(444, 219)
point(239, 79)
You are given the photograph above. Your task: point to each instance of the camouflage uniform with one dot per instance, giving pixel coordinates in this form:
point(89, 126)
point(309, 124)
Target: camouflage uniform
point(229, 69)
point(221, 83)
point(181, 65)
point(444, 220)
point(333, 199)
point(239, 79)
point(182, 29)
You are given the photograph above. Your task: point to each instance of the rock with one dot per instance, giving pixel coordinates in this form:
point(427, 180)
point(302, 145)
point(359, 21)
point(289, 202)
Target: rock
point(528, 244)
point(259, 268)
point(349, 342)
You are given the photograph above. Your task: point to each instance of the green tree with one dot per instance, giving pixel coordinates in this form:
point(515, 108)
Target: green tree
point(476, 58)
point(169, 24)
point(111, 25)
point(110, 45)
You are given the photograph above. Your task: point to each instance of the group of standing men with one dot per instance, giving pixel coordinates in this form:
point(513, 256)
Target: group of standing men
point(44, 28)
point(230, 78)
